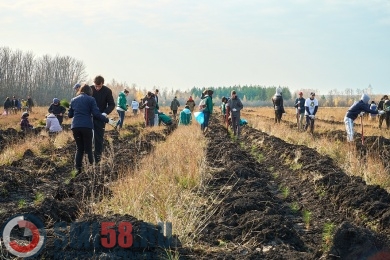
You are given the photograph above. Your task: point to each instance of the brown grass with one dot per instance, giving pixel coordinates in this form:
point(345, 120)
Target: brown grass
point(162, 189)
point(346, 156)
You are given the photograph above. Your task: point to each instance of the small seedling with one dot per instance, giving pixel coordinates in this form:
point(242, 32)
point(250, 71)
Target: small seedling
point(294, 207)
point(327, 235)
point(285, 192)
point(39, 197)
point(306, 215)
point(21, 203)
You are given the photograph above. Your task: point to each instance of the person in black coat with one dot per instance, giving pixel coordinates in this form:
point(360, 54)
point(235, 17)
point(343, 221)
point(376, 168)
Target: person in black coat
point(58, 110)
point(106, 104)
point(7, 105)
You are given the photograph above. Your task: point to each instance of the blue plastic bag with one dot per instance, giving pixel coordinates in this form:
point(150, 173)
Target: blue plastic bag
point(199, 116)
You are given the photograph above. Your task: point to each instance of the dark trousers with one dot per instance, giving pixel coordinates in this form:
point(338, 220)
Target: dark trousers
point(98, 128)
point(278, 116)
point(60, 119)
point(236, 125)
point(206, 120)
point(121, 118)
point(174, 113)
point(83, 138)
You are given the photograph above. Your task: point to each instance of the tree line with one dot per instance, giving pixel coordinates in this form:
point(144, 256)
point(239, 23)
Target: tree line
point(43, 78)
point(23, 74)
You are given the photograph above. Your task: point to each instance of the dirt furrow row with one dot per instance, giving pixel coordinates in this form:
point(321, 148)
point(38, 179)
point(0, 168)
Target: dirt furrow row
point(275, 200)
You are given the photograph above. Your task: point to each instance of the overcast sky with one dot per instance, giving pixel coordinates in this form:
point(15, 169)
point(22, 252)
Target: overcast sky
point(176, 44)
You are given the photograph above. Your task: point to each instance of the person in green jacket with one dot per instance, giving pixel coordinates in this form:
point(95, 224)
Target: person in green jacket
point(185, 116)
point(121, 108)
point(206, 106)
point(163, 118)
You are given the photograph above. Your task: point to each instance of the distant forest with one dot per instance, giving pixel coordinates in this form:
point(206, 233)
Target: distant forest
point(43, 78)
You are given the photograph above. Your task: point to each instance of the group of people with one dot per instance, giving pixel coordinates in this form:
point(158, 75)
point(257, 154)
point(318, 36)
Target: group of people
point(14, 105)
point(306, 110)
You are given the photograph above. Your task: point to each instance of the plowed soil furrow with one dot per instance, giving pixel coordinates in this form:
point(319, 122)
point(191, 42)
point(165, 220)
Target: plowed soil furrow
point(275, 200)
point(64, 198)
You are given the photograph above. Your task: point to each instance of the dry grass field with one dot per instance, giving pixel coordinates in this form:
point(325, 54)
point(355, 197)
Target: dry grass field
point(215, 190)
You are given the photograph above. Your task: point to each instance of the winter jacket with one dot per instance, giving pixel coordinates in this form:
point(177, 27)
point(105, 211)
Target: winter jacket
point(185, 117)
point(300, 105)
point(149, 112)
point(52, 124)
point(191, 104)
point(208, 104)
point(235, 106)
point(7, 104)
point(164, 118)
point(104, 99)
point(81, 110)
point(357, 108)
point(121, 102)
point(56, 109)
point(175, 104)
point(277, 101)
point(25, 124)
point(134, 104)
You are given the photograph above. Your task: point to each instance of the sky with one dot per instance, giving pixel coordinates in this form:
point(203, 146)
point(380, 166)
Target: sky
point(180, 44)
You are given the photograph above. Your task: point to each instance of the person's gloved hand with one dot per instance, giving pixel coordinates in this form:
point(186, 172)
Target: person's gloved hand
point(145, 102)
point(381, 112)
point(104, 114)
point(234, 110)
point(112, 122)
point(146, 107)
point(361, 114)
point(312, 116)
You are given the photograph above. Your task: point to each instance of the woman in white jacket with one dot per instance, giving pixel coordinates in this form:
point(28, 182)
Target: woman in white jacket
point(52, 124)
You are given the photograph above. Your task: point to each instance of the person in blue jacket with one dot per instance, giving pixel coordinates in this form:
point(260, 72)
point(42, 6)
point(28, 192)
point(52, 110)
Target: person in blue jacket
point(358, 109)
point(82, 108)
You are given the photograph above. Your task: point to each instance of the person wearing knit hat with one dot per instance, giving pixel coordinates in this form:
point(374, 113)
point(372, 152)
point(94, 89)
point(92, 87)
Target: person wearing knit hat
point(57, 109)
point(277, 101)
point(77, 86)
point(357, 109)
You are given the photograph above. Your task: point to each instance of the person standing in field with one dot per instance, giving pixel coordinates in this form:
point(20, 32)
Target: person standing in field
point(174, 107)
point(134, 106)
point(300, 110)
point(191, 104)
point(121, 108)
point(358, 108)
point(149, 103)
point(30, 104)
point(235, 106)
point(277, 101)
point(380, 107)
point(206, 106)
point(7, 106)
point(373, 106)
point(106, 104)
point(156, 116)
point(311, 107)
point(81, 108)
point(386, 108)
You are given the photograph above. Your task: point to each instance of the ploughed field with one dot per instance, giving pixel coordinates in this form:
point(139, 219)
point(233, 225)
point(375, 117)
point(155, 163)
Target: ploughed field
point(268, 199)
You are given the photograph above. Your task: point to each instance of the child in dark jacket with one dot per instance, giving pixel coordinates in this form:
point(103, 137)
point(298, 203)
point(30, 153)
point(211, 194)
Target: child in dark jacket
point(24, 123)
